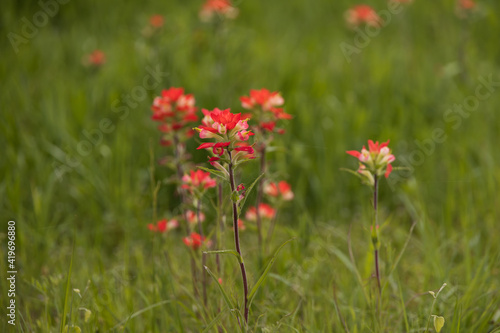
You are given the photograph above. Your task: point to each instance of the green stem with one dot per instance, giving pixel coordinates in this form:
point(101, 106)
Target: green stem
point(375, 239)
point(203, 256)
point(237, 237)
point(260, 191)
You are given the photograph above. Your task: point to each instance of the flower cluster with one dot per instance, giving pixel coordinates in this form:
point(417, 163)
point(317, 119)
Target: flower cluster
point(362, 14)
point(95, 59)
point(281, 190)
point(197, 182)
point(155, 24)
point(192, 218)
point(163, 225)
point(156, 21)
point(174, 110)
point(229, 131)
point(465, 8)
point(217, 7)
point(267, 212)
point(265, 109)
point(195, 240)
point(376, 161)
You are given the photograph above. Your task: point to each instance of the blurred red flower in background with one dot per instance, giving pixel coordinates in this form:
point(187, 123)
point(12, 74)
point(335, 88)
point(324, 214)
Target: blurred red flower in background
point(95, 59)
point(194, 240)
point(163, 225)
point(222, 7)
point(362, 14)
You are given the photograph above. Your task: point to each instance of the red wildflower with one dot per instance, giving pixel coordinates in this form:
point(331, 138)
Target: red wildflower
point(163, 225)
point(198, 181)
point(194, 240)
point(279, 113)
point(225, 118)
point(464, 8)
point(174, 104)
point(96, 59)
point(467, 4)
point(156, 21)
point(223, 126)
point(268, 126)
point(222, 7)
point(282, 190)
point(218, 148)
point(265, 107)
point(263, 98)
point(375, 161)
point(362, 14)
point(266, 212)
point(192, 218)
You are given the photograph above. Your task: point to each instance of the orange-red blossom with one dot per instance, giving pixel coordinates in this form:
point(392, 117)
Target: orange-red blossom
point(376, 161)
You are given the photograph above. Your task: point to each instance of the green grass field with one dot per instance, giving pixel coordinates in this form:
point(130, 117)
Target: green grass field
point(82, 210)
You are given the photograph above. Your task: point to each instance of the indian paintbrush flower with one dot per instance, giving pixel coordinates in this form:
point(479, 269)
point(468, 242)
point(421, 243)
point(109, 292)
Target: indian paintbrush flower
point(195, 241)
point(264, 105)
point(197, 181)
point(174, 110)
point(266, 212)
point(192, 218)
point(163, 225)
point(465, 8)
point(230, 132)
point(362, 14)
point(376, 161)
point(95, 59)
point(221, 7)
point(281, 190)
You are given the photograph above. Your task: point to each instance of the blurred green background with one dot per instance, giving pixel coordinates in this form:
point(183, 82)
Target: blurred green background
point(399, 86)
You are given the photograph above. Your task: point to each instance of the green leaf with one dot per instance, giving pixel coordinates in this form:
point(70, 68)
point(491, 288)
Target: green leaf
point(255, 288)
point(233, 252)
point(235, 197)
point(216, 173)
point(357, 174)
point(242, 203)
point(137, 313)
point(438, 323)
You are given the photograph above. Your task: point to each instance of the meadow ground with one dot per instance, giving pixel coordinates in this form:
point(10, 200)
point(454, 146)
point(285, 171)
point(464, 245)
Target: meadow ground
point(427, 80)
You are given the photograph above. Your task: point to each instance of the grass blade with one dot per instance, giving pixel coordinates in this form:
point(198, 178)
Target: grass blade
point(226, 297)
point(137, 313)
point(67, 291)
point(255, 288)
point(215, 320)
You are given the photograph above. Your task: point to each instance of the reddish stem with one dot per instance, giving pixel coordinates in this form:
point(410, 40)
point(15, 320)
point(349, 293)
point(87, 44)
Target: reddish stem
point(237, 237)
